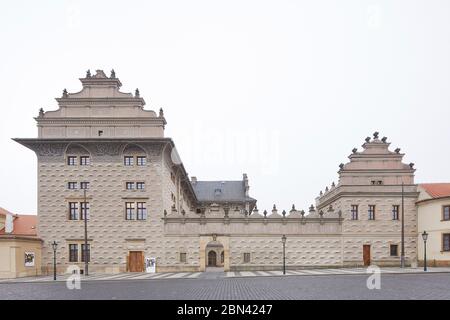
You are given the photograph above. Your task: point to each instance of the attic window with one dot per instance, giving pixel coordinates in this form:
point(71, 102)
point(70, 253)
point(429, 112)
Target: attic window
point(217, 192)
point(100, 133)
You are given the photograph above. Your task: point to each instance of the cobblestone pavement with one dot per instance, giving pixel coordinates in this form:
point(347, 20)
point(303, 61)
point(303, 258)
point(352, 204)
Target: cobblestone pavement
point(218, 274)
point(350, 286)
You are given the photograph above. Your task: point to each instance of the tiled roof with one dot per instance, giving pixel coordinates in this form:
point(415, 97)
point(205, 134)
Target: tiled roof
point(24, 225)
point(437, 190)
point(220, 191)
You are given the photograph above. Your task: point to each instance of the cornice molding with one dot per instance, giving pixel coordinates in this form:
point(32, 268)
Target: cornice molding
point(378, 171)
point(203, 220)
point(97, 147)
point(368, 194)
point(94, 120)
point(63, 102)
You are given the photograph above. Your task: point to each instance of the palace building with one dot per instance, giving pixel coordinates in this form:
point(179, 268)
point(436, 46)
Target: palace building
point(103, 157)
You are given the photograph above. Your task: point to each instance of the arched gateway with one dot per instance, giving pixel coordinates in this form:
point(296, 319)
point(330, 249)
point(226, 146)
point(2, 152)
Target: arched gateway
point(214, 253)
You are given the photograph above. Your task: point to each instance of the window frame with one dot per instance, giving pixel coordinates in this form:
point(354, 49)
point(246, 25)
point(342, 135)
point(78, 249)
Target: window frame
point(354, 213)
point(72, 183)
point(74, 213)
point(85, 160)
point(84, 183)
point(141, 210)
point(140, 183)
point(130, 211)
point(128, 161)
point(141, 161)
point(395, 212)
point(443, 213)
point(370, 212)
point(444, 248)
point(72, 160)
point(396, 250)
point(88, 252)
point(84, 207)
point(73, 252)
point(131, 183)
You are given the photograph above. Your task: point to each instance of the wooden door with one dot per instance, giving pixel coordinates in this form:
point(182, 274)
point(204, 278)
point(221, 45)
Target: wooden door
point(212, 259)
point(136, 261)
point(366, 254)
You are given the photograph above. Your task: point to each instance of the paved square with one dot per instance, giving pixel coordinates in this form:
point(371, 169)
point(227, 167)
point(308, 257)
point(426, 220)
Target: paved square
point(201, 287)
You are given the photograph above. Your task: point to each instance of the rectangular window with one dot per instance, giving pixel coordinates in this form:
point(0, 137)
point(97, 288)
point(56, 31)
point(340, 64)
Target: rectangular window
point(141, 211)
point(141, 160)
point(129, 185)
point(140, 185)
point(246, 257)
point(446, 242)
point(87, 252)
point(354, 211)
point(371, 212)
point(84, 185)
point(394, 250)
point(129, 210)
point(446, 213)
point(183, 257)
point(73, 210)
point(71, 185)
point(84, 209)
point(73, 253)
point(128, 160)
point(395, 210)
point(72, 161)
point(85, 161)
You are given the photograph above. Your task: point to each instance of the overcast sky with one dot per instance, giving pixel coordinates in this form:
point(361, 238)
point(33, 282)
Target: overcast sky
point(280, 90)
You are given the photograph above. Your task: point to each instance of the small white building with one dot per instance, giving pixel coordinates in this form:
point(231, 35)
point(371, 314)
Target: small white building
point(433, 209)
point(20, 248)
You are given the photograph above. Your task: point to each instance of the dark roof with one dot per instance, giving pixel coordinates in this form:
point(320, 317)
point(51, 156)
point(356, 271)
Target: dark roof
point(220, 191)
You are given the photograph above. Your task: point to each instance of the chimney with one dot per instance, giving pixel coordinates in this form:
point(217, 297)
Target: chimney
point(246, 186)
point(9, 223)
point(194, 180)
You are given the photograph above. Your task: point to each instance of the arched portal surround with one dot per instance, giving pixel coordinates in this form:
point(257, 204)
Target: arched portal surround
point(214, 252)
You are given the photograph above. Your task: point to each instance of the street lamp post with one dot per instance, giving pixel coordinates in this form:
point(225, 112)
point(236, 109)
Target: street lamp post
point(402, 256)
point(283, 239)
point(86, 272)
point(424, 237)
point(54, 247)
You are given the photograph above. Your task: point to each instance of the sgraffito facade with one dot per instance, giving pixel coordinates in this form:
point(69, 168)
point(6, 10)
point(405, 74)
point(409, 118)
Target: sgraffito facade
point(102, 155)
